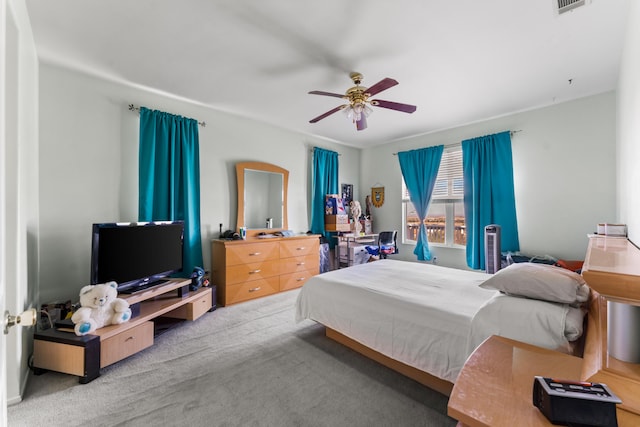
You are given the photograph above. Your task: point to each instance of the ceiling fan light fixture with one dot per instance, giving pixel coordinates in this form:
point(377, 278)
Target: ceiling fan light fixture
point(359, 105)
point(349, 112)
point(355, 111)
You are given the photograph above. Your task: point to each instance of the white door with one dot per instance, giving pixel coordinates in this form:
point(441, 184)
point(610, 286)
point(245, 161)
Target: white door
point(3, 246)
point(3, 368)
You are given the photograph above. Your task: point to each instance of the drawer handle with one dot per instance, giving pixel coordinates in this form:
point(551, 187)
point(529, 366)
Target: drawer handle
point(300, 263)
point(129, 339)
point(299, 279)
point(255, 271)
point(254, 254)
point(255, 289)
point(300, 248)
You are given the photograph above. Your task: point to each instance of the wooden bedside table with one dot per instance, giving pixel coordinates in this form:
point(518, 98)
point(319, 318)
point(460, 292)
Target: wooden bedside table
point(495, 386)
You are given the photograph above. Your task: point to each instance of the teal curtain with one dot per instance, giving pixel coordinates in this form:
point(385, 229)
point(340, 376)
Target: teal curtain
point(489, 197)
point(169, 177)
point(324, 181)
point(419, 170)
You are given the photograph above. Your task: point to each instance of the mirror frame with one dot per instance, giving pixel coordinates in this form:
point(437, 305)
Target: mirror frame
point(264, 167)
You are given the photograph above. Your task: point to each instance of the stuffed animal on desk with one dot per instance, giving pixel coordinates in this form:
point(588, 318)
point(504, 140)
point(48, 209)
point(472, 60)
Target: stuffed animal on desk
point(100, 306)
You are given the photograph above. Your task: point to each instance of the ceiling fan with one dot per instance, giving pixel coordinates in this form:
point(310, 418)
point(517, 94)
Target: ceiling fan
point(359, 106)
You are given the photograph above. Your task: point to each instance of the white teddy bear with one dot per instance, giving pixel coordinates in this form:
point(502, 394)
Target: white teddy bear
point(100, 306)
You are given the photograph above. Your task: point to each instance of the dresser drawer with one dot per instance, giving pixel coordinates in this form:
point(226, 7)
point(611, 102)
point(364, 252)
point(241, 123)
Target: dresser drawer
point(254, 271)
point(309, 262)
point(59, 357)
point(249, 290)
point(126, 343)
point(251, 252)
point(295, 280)
point(299, 247)
point(194, 309)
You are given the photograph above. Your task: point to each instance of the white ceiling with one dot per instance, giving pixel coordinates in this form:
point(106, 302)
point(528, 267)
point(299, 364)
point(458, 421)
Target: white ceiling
point(458, 61)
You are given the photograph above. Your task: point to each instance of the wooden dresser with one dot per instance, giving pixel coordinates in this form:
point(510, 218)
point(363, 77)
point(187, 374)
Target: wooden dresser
point(253, 268)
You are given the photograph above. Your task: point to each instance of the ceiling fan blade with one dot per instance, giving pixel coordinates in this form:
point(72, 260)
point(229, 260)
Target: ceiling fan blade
point(319, 92)
point(328, 113)
point(362, 123)
point(405, 108)
point(383, 84)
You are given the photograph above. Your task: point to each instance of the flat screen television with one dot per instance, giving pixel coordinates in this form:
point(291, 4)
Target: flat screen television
point(136, 255)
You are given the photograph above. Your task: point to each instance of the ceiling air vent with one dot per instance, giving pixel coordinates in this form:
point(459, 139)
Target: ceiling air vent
point(567, 5)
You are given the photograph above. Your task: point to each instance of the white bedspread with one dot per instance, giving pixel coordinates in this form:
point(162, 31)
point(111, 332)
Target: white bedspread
point(420, 314)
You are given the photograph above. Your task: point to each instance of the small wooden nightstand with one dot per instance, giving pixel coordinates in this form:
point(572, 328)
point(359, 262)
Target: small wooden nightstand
point(495, 385)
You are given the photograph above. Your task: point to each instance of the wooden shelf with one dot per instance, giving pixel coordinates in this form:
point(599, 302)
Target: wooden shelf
point(146, 295)
point(159, 302)
point(612, 268)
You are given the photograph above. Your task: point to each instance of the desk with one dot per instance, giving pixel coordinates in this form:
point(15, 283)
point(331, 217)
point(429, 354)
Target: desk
point(368, 239)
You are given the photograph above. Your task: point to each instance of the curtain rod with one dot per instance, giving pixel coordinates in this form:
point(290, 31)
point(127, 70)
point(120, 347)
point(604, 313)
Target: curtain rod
point(134, 108)
point(311, 151)
point(458, 143)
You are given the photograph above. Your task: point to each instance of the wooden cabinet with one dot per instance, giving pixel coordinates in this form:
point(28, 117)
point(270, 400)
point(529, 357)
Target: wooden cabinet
point(612, 268)
point(194, 309)
point(246, 269)
point(61, 350)
point(125, 344)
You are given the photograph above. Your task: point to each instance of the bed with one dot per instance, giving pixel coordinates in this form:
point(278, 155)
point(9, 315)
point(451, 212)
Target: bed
point(427, 319)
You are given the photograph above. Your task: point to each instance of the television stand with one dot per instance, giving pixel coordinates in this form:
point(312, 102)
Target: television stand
point(60, 349)
point(144, 286)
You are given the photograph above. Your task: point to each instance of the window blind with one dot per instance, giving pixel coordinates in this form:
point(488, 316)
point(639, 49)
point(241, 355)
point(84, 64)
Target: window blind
point(449, 182)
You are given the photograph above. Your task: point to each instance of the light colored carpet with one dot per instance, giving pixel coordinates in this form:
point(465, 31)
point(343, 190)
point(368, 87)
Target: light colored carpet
point(244, 365)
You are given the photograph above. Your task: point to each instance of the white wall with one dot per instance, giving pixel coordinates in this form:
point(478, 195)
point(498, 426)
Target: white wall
point(629, 128)
point(564, 172)
point(564, 162)
point(88, 168)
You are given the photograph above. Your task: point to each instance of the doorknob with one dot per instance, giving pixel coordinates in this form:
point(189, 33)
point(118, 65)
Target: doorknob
point(26, 318)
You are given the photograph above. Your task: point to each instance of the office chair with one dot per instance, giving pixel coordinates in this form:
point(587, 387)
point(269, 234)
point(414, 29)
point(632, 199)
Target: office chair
point(387, 243)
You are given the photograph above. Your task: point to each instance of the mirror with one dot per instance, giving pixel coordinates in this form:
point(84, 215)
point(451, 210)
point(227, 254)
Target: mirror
point(262, 196)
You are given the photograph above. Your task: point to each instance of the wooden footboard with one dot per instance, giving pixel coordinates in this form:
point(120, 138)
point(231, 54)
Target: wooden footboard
point(424, 378)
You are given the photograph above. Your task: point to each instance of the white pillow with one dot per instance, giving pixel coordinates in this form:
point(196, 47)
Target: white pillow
point(574, 323)
point(540, 281)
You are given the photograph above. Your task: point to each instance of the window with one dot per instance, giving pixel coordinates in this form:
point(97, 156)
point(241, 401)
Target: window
point(445, 219)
